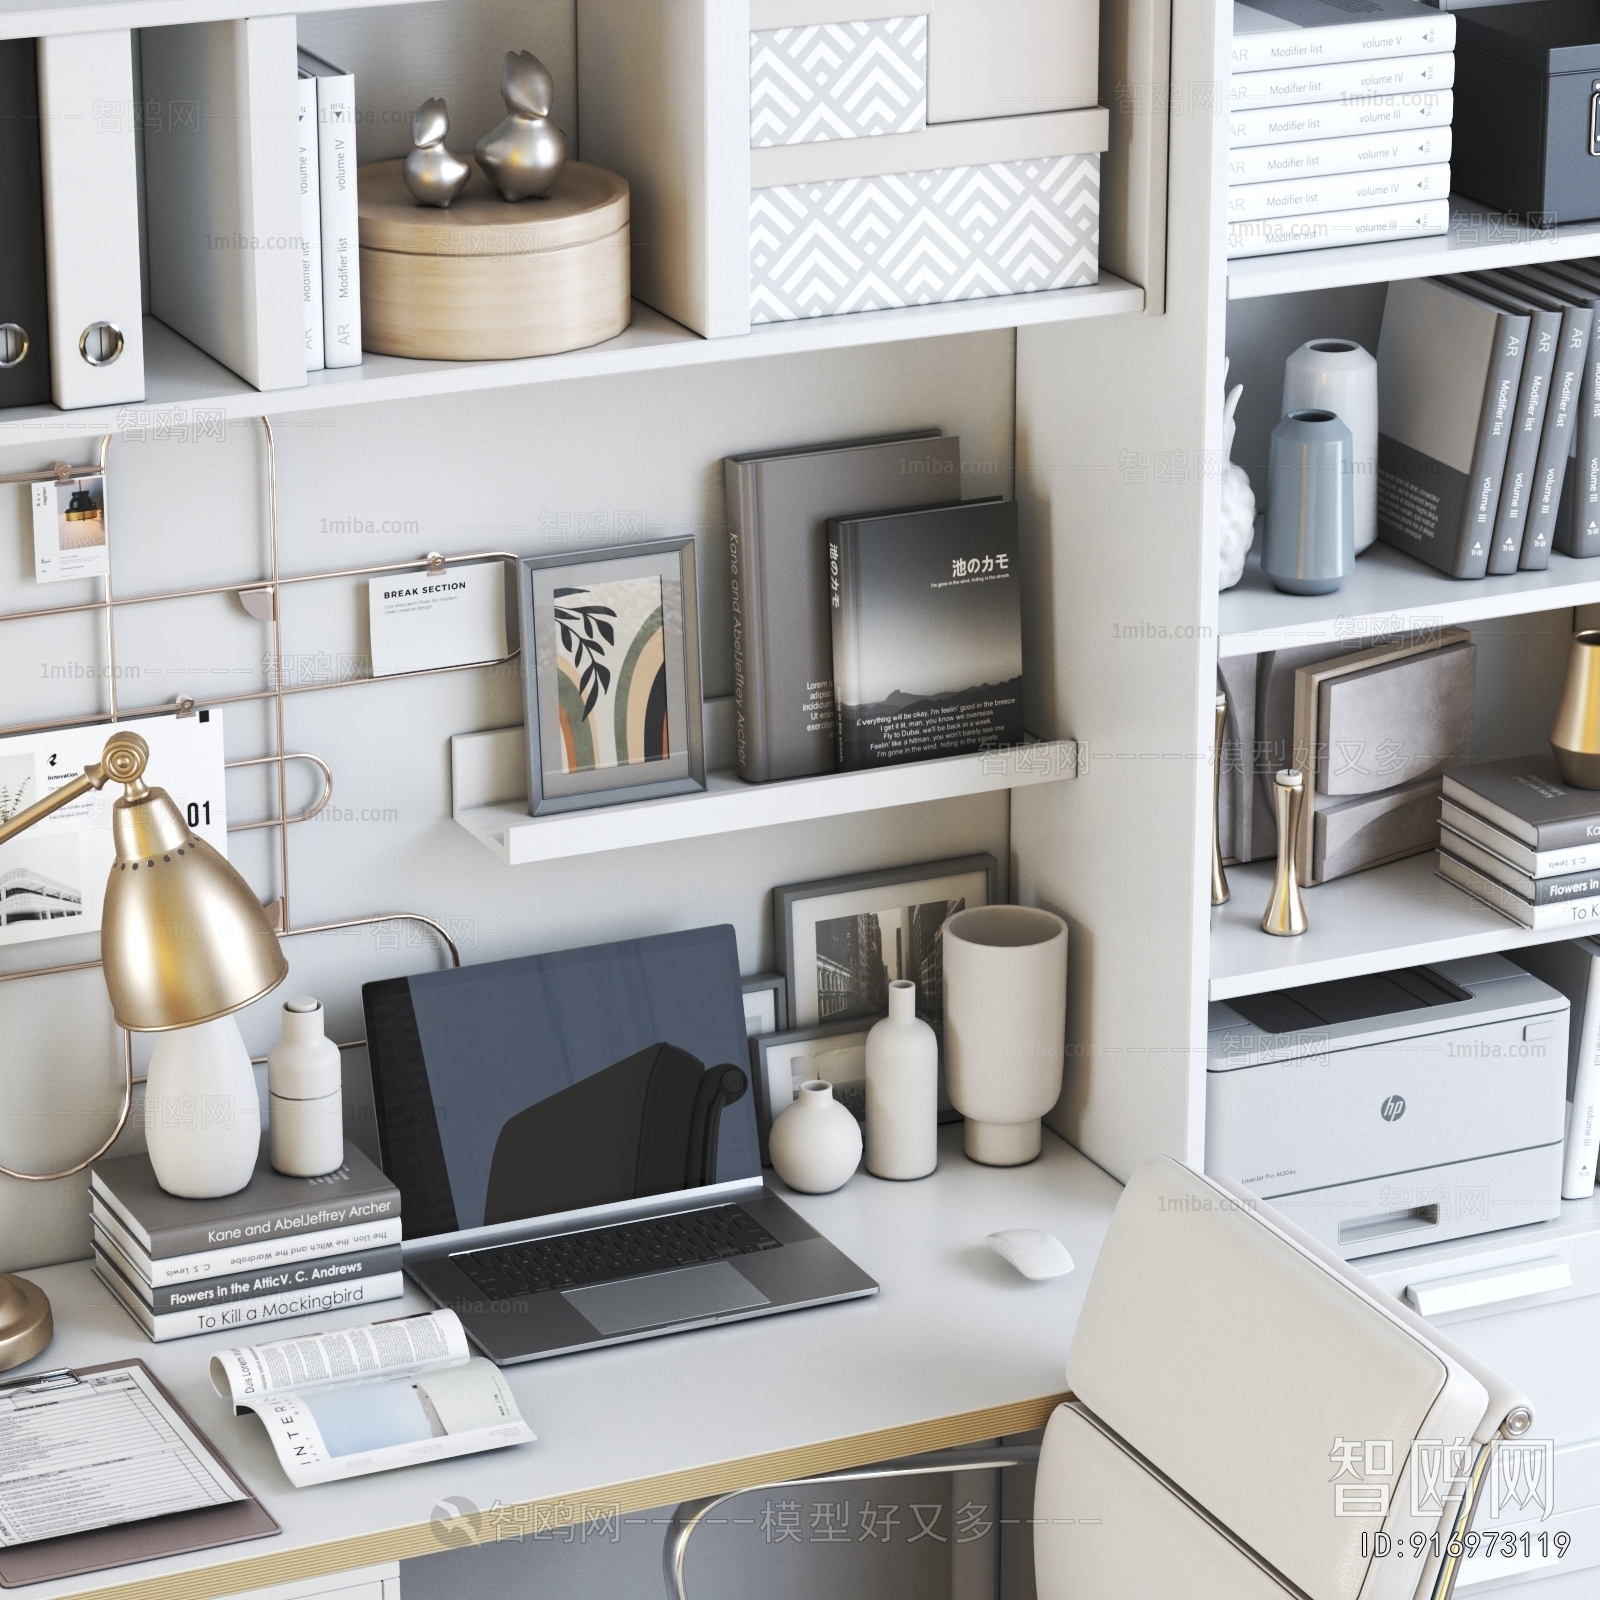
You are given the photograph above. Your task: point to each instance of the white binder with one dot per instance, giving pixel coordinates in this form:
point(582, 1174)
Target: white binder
point(91, 218)
point(222, 188)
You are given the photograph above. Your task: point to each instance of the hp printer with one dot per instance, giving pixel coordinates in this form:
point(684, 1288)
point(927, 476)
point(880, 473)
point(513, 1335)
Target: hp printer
point(1396, 1109)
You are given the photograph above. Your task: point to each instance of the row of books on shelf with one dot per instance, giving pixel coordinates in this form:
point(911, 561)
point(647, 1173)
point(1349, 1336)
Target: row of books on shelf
point(263, 274)
point(281, 1247)
point(1489, 418)
point(877, 617)
point(1338, 126)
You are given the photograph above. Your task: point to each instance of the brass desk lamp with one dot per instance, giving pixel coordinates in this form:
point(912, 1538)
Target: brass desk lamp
point(182, 941)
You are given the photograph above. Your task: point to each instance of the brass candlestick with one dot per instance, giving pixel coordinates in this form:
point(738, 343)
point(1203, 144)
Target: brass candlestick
point(1220, 893)
point(1286, 911)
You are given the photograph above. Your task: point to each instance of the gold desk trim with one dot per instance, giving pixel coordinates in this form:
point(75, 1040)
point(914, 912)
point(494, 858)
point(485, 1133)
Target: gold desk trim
point(640, 1494)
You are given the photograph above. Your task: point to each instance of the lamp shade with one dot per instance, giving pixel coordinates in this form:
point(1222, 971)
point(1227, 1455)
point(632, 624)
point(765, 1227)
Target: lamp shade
point(183, 939)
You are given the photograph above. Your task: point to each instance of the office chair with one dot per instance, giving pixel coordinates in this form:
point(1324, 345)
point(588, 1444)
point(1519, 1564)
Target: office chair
point(1234, 1386)
point(648, 1124)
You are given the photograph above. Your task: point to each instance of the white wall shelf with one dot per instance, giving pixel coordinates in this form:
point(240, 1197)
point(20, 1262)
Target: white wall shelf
point(28, 19)
point(1389, 591)
point(489, 787)
point(181, 379)
point(1394, 916)
point(1478, 239)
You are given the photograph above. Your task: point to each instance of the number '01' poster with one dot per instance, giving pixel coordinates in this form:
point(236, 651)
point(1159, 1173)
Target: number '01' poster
point(53, 877)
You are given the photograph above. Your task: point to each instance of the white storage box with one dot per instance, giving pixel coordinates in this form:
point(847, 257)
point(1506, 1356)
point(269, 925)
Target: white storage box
point(783, 163)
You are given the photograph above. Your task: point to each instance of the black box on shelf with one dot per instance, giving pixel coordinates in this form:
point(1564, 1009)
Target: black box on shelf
point(1527, 109)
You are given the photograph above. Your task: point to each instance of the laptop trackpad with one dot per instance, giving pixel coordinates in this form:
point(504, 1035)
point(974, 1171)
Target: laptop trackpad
point(690, 1294)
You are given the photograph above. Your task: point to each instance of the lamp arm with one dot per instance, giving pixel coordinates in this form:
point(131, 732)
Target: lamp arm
point(122, 761)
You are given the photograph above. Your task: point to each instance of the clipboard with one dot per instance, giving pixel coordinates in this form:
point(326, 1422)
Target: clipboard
point(124, 1543)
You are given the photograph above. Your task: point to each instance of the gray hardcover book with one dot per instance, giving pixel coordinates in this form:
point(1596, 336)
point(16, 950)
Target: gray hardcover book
point(1536, 891)
point(1274, 736)
point(1578, 517)
point(1448, 369)
point(1236, 678)
point(927, 633)
point(1533, 390)
point(1564, 479)
point(1395, 723)
point(779, 503)
point(1350, 835)
point(270, 1206)
point(1526, 797)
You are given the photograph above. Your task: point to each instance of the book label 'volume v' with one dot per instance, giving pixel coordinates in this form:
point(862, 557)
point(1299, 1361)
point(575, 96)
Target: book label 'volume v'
point(927, 632)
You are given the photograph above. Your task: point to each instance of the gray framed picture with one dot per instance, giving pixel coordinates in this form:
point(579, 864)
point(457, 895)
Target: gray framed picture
point(842, 941)
point(766, 1004)
point(611, 675)
point(781, 1062)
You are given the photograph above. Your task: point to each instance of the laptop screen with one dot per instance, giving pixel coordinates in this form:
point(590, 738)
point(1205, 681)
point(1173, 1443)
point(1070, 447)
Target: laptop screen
point(558, 1082)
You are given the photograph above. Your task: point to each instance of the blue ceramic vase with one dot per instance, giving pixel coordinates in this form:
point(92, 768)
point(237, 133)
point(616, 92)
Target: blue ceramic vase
point(1311, 532)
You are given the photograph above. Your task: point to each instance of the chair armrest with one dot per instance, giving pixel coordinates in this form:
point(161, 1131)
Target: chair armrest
point(691, 1513)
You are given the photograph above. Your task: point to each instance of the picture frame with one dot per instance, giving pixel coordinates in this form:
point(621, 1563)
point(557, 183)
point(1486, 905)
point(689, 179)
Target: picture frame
point(781, 1062)
point(766, 1004)
point(611, 675)
point(841, 940)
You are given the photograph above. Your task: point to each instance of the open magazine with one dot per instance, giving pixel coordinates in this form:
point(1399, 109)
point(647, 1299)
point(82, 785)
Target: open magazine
point(366, 1399)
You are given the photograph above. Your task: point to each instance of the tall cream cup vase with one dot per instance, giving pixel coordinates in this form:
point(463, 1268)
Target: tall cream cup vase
point(1005, 1019)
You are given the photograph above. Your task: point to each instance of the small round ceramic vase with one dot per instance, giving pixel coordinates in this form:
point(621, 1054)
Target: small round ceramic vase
point(1005, 1022)
point(902, 1090)
point(815, 1144)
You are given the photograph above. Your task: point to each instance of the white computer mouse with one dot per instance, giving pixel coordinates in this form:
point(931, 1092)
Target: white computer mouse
point(1034, 1253)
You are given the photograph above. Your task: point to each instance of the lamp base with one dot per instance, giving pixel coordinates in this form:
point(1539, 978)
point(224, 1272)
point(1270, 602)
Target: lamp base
point(25, 1323)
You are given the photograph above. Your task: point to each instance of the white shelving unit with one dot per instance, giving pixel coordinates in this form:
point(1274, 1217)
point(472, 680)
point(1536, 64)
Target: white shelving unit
point(1401, 915)
point(1478, 240)
point(180, 378)
point(1389, 591)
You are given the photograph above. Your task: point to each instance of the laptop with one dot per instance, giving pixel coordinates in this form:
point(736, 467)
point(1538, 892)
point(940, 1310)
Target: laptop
point(574, 1140)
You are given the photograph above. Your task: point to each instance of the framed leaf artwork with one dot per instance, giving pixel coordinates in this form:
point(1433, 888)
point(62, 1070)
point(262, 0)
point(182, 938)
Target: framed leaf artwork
point(611, 675)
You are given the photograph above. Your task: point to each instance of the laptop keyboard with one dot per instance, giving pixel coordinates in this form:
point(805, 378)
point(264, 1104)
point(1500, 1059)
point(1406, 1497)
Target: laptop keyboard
point(628, 1250)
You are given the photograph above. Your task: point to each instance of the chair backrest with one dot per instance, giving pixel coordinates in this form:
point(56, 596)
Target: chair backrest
point(1251, 1414)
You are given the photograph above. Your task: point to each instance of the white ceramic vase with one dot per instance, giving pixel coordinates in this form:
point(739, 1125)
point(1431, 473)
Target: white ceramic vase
point(815, 1144)
point(902, 1090)
point(1238, 499)
point(1337, 375)
point(1005, 1019)
point(306, 1094)
point(202, 1121)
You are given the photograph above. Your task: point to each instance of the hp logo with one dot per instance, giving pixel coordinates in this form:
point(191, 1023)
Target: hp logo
point(1393, 1108)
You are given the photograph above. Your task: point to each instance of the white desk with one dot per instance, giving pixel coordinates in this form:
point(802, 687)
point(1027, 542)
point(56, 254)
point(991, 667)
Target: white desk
point(955, 1347)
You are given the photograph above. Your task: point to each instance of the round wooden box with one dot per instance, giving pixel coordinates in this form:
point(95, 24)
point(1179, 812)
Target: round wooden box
point(487, 279)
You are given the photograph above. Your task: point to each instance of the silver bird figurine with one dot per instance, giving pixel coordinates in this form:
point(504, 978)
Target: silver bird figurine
point(524, 155)
point(433, 174)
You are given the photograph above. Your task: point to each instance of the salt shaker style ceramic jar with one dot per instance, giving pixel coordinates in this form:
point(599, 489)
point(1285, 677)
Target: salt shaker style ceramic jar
point(305, 1089)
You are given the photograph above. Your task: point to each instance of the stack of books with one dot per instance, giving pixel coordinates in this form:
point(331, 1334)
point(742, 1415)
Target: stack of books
point(1338, 123)
point(1515, 836)
point(280, 1247)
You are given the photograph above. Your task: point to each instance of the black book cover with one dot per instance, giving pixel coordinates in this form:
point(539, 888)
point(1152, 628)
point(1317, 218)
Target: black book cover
point(24, 354)
point(927, 632)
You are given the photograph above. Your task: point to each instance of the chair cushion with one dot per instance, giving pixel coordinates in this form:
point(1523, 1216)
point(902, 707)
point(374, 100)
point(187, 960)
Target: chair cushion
point(1257, 1378)
point(1105, 1527)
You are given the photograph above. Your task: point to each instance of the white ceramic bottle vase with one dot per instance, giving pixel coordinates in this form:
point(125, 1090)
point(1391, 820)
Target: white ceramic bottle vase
point(902, 1090)
point(307, 1096)
point(1337, 375)
point(1005, 1019)
point(202, 1121)
point(815, 1144)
